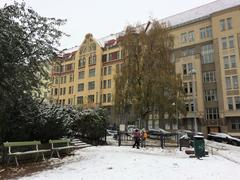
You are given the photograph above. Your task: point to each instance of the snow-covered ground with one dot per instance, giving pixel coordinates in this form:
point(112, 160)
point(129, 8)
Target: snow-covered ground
point(125, 163)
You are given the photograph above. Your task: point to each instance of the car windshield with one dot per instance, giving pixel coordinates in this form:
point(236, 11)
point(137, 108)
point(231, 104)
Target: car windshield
point(160, 130)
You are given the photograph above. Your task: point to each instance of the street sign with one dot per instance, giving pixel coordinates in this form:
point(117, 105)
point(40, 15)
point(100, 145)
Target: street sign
point(122, 127)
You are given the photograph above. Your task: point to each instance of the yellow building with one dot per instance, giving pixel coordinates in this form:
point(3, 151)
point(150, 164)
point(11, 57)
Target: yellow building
point(206, 39)
point(84, 76)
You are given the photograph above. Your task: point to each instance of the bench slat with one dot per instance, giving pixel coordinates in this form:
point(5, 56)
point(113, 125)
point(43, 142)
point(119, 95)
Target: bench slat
point(64, 147)
point(59, 141)
point(23, 143)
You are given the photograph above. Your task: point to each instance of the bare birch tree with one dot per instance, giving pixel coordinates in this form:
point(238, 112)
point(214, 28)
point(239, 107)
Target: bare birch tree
point(147, 81)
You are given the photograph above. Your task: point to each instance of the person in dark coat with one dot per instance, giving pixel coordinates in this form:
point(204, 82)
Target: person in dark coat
point(136, 138)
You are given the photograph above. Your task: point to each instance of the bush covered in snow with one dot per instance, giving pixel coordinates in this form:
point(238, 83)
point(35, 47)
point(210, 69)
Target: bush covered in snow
point(91, 124)
point(34, 120)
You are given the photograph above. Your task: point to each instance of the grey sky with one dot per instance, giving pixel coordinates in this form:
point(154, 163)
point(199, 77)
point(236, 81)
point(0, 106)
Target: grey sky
point(104, 17)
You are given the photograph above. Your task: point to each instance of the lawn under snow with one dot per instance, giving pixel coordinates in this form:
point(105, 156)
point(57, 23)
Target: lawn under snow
point(125, 163)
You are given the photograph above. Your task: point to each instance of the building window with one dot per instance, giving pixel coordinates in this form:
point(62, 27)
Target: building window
point(90, 98)
point(235, 82)
point(185, 87)
point(105, 71)
point(80, 100)
point(192, 107)
point(55, 91)
point(226, 62)
point(230, 103)
point(235, 124)
point(202, 33)
point(80, 87)
point(64, 91)
point(109, 83)
point(104, 98)
point(190, 87)
point(187, 107)
point(69, 67)
point(212, 114)
point(237, 102)
point(70, 90)
point(211, 95)
point(92, 59)
point(187, 68)
point(224, 43)
point(104, 58)
point(228, 83)
point(71, 78)
point(231, 41)
point(184, 69)
point(191, 36)
point(184, 37)
point(81, 62)
point(104, 84)
point(81, 75)
point(109, 97)
point(209, 77)
point(222, 24)
point(209, 31)
point(233, 61)
point(91, 85)
point(109, 70)
point(56, 80)
point(229, 62)
point(229, 23)
point(91, 72)
point(207, 54)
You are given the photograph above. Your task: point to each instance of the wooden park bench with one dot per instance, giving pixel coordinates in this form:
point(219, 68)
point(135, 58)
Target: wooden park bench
point(60, 144)
point(28, 147)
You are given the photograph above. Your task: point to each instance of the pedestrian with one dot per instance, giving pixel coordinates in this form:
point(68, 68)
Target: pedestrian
point(136, 138)
point(143, 138)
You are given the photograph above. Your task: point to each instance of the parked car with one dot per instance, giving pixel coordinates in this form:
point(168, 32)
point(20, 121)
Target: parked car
point(156, 133)
point(130, 129)
point(223, 138)
point(188, 133)
point(111, 132)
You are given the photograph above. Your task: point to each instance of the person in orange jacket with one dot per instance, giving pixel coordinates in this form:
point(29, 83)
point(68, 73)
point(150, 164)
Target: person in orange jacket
point(143, 138)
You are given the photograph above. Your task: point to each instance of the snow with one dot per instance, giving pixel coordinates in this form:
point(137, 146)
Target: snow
point(186, 16)
point(117, 163)
point(200, 12)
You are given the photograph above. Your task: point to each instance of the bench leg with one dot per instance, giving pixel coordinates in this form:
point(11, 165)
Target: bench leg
point(51, 154)
point(37, 157)
point(43, 157)
point(58, 154)
point(8, 160)
point(16, 160)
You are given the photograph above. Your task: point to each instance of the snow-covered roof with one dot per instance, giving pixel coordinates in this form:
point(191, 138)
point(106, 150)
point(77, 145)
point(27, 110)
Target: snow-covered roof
point(178, 19)
point(103, 40)
point(200, 12)
point(186, 16)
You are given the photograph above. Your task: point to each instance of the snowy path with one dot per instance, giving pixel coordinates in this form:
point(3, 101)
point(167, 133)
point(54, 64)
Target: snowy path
point(125, 163)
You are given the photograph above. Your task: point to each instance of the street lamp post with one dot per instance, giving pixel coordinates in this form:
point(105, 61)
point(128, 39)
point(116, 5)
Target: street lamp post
point(176, 113)
point(193, 75)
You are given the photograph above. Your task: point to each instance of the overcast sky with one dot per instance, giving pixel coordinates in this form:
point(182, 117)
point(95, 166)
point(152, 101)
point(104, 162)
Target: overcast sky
point(104, 17)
